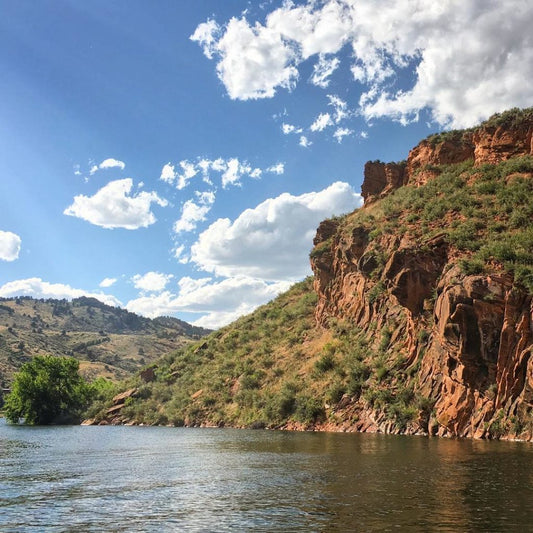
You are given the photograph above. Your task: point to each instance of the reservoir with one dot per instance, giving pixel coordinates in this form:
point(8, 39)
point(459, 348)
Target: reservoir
point(114, 478)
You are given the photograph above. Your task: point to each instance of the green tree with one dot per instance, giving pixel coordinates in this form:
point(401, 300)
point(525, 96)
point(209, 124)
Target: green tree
point(48, 390)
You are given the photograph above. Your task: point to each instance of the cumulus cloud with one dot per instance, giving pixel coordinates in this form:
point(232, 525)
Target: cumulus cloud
point(340, 133)
point(273, 240)
point(219, 301)
point(194, 211)
point(253, 61)
point(107, 163)
point(107, 282)
point(278, 169)
point(305, 142)
point(180, 255)
point(112, 163)
point(37, 288)
point(229, 171)
point(151, 281)
point(340, 108)
point(168, 174)
point(187, 174)
point(9, 246)
point(113, 206)
point(321, 122)
point(466, 60)
point(323, 69)
point(290, 128)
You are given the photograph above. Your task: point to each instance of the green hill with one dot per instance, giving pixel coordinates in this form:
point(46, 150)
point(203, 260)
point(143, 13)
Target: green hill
point(108, 341)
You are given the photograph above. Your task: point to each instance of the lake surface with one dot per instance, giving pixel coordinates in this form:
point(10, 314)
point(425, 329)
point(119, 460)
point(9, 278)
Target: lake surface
point(111, 478)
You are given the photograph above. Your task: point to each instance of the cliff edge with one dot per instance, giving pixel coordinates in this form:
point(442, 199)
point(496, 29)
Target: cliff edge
point(437, 267)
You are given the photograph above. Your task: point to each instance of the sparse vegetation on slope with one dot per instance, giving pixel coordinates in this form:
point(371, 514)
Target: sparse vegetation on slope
point(109, 342)
point(484, 212)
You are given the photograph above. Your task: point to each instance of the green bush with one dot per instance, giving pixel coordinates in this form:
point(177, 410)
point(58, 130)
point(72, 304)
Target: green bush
point(325, 363)
point(308, 409)
point(48, 390)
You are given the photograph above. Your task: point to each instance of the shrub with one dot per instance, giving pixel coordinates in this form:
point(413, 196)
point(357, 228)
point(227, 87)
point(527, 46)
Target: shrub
point(376, 292)
point(48, 390)
point(308, 409)
point(325, 363)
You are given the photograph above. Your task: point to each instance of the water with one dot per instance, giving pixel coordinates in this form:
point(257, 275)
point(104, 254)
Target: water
point(175, 479)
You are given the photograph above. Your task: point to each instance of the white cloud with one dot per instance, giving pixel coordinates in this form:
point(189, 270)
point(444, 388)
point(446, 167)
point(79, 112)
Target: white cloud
point(193, 212)
point(256, 173)
point(278, 169)
point(253, 60)
point(233, 172)
point(466, 59)
point(107, 282)
point(340, 107)
point(189, 171)
point(179, 254)
point(305, 142)
point(340, 133)
point(273, 240)
point(190, 285)
point(323, 70)
point(206, 34)
point(290, 128)
point(151, 281)
point(230, 171)
point(112, 163)
point(9, 246)
point(322, 122)
point(114, 207)
point(220, 301)
point(107, 163)
point(37, 288)
point(168, 174)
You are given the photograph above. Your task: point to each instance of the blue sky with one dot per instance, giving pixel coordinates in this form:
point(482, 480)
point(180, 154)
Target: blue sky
point(176, 157)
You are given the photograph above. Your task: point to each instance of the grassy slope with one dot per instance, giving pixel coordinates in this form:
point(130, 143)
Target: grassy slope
point(109, 342)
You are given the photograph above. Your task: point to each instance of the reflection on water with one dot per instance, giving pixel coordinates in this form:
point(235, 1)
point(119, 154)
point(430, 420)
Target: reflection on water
point(169, 479)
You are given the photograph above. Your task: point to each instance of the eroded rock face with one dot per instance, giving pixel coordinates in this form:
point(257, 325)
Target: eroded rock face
point(476, 364)
point(471, 337)
point(481, 345)
point(426, 155)
point(381, 178)
point(486, 144)
point(496, 144)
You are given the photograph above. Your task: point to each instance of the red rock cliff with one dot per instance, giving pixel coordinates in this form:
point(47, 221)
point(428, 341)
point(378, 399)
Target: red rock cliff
point(490, 143)
point(466, 340)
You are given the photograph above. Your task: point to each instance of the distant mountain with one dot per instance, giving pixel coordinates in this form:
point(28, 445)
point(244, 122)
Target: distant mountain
point(108, 341)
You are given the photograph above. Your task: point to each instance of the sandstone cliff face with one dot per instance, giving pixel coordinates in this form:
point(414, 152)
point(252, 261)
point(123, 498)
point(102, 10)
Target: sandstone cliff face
point(486, 144)
point(467, 340)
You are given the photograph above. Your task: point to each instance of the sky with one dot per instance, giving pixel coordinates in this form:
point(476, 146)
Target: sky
point(176, 157)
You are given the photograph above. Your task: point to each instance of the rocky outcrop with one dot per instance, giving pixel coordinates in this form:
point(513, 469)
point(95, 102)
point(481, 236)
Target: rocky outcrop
point(381, 178)
point(113, 415)
point(468, 339)
point(475, 361)
point(493, 144)
point(490, 143)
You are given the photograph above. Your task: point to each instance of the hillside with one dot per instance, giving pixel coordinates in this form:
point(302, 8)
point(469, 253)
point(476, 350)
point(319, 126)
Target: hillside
point(109, 341)
point(418, 318)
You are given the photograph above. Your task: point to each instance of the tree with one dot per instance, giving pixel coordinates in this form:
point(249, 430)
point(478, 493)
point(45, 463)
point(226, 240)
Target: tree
point(47, 390)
